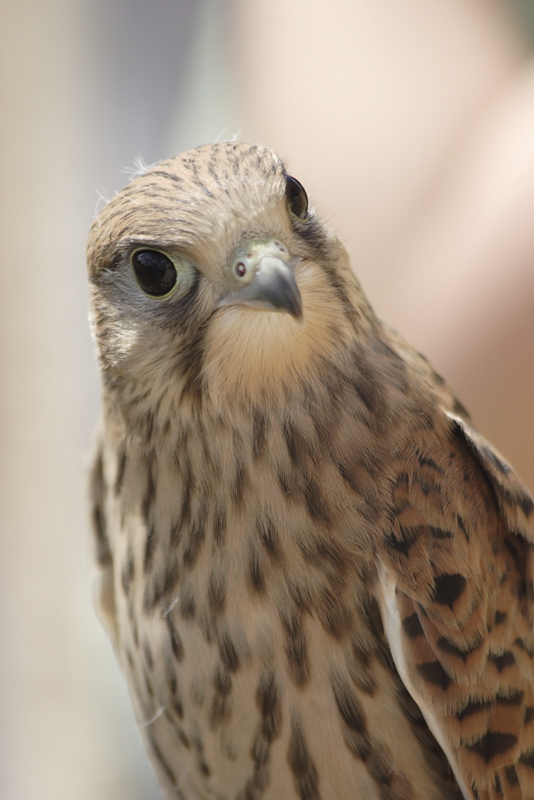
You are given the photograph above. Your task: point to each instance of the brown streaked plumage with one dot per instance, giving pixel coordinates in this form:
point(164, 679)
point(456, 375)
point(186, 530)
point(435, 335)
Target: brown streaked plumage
point(317, 576)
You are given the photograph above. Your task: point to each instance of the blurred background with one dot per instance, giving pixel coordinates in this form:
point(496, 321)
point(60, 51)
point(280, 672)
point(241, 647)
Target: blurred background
point(412, 127)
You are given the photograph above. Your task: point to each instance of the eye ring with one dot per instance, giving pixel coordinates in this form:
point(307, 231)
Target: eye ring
point(154, 271)
point(296, 197)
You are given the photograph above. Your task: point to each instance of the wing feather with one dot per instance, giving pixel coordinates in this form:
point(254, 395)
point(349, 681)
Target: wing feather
point(458, 602)
point(103, 582)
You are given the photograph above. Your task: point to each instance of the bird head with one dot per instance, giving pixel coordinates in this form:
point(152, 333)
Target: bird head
point(212, 276)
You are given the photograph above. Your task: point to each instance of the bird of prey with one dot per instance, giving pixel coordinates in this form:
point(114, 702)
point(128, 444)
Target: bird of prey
point(317, 576)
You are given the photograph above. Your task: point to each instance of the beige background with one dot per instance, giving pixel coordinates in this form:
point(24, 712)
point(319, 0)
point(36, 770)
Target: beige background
point(412, 127)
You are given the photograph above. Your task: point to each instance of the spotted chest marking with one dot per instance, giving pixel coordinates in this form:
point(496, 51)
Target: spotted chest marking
point(195, 590)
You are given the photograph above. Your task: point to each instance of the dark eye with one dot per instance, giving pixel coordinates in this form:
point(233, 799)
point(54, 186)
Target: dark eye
point(296, 197)
point(155, 272)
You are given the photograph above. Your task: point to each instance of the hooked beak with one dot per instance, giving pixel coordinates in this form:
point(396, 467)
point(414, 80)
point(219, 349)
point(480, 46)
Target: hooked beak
point(266, 272)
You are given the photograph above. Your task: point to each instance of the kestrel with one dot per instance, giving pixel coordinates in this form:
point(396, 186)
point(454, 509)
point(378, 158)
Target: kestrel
point(317, 576)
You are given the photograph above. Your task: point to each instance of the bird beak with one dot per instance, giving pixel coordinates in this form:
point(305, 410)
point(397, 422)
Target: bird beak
point(267, 275)
point(274, 287)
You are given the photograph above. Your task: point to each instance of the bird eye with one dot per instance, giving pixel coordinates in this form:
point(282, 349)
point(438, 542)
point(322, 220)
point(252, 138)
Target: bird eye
point(155, 272)
point(296, 197)
point(240, 269)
